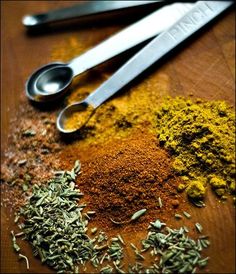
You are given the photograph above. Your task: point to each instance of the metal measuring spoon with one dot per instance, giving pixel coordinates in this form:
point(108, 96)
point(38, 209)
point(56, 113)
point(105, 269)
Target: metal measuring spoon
point(83, 10)
point(51, 81)
point(202, 13)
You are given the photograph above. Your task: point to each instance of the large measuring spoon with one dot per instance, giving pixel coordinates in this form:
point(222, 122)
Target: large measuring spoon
point(74, 116)
point(51, 81)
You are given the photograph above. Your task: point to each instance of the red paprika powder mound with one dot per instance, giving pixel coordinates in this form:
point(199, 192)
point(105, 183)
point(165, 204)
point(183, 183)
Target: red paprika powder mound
point(123, 176)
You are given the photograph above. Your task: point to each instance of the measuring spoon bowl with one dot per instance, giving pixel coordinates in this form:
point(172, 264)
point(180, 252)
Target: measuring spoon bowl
point(32, 91)
point(54, 80)
point(76, 114)
point(42, 85)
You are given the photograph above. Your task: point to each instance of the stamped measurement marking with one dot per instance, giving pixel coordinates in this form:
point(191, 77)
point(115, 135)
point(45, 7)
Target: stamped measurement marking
point(192, 20)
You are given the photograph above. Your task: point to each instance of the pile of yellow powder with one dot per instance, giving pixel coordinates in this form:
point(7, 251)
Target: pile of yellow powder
point(201, 137)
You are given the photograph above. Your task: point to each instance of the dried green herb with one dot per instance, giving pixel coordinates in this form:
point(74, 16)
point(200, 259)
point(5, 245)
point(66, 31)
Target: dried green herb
point(198, 203)
point(14, 244)
point(54, 225)
point(22, 162)
point(175, 252)
point(160, 202)
point(26, 260)
point(107, 269)
point(138, 214)
point(198, 227)
point(134, 217)
point(29, 133)
point(178, 216)
point(157, 224)
point(94, 230)
point(121, 239)
point(187, 215)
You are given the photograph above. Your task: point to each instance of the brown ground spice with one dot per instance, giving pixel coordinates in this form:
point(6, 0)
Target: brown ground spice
point(30, 158)
point(124, 176)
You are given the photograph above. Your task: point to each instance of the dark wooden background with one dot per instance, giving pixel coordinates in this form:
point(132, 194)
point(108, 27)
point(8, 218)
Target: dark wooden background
point(205, 68)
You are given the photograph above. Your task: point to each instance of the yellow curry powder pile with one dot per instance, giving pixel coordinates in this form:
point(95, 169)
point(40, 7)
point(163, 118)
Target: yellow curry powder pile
point(201, 137)
point(129, 109)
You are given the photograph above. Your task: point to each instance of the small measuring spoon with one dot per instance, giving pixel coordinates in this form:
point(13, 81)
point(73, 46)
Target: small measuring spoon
point(202, 13)
point(82, 10)
point(51, 81)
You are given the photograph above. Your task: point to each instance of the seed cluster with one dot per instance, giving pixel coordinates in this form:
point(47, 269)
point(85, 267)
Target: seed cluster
point(54, 224)
point(173, 250)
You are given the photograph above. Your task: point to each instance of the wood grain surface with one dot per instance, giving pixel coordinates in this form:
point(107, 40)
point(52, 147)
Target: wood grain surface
point(205, 67)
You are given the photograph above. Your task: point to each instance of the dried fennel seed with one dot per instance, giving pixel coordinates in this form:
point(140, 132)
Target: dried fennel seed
point(138, 255)
point(178, 216)
point(107, 269)
point(26, 260)
point(187, 215)
point(198, 227)
point(14, 244)
point(134, 217)
point(174, 251)
point(54, 224)
point(115, 252)
point(29, 133)
point(160, 202)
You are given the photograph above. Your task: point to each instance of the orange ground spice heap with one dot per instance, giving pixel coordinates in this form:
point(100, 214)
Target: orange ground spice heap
point(124, 176)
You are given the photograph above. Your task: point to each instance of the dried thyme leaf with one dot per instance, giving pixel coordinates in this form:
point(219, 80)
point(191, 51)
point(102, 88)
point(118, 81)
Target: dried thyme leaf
point(187, 215)
point(91, 212)
point(29, 133)
point(14, 244)
point(26, 260)
point(16, 247)
point(178, 216)
point(121, 239)
point(160, 202)
point(25, 187)
point(94, 230)
point(134, 217)
point(198, 227)
point(198, 203)
point(17, 217)
point(54, 225)
point(77, 166)
point(157, 224)
point(138, 214)
point(177, 252)
point(22, 162)
point(119, 223)
point(106, 270)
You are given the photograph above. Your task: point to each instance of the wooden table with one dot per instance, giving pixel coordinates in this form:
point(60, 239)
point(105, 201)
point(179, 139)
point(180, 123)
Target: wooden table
point(205, 68)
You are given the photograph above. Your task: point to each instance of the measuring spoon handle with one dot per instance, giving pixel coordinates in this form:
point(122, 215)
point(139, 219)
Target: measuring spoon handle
point(202, 13)
point(138, 32)
point(87, 9)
